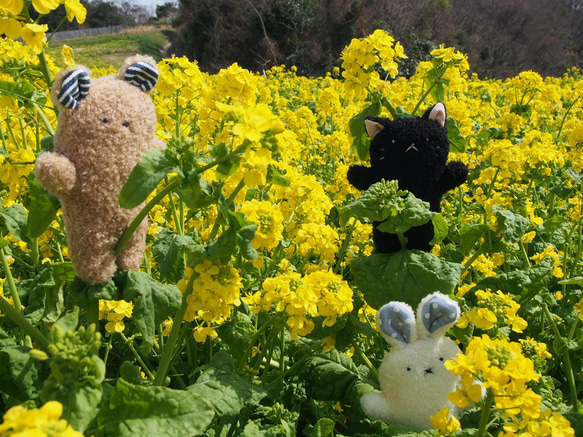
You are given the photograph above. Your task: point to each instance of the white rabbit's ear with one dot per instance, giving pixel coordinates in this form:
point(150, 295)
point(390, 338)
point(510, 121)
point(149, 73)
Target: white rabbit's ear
point(436, 314)
point(396, 323)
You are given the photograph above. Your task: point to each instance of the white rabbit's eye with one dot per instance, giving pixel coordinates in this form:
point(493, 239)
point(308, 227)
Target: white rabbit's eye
point(408, 369)
point(440, 358)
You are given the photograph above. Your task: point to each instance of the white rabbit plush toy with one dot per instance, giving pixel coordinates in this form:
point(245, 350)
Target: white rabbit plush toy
point(413, 379)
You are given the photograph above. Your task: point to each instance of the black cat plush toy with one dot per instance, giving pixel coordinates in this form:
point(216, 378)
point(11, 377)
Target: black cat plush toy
point(413, 151)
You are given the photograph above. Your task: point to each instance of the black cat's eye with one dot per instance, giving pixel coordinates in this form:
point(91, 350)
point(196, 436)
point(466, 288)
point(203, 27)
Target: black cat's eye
point(126, 124)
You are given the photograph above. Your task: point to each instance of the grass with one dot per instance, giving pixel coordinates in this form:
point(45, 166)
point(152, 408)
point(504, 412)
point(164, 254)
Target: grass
point(103, 51)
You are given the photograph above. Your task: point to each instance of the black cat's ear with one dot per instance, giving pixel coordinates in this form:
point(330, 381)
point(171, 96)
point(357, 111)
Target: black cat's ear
point(373, 128)
point(437, 113)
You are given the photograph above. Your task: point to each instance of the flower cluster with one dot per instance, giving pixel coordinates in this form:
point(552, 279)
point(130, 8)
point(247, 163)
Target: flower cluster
point(499, 367)
point(363, 56)
point(491, 309)
point(44, 422)
point(114, 311)
point(302, 298)
point(15, 20)
point(214, 290)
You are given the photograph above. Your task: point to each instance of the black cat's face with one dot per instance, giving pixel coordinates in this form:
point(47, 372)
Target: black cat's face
point(408, 147)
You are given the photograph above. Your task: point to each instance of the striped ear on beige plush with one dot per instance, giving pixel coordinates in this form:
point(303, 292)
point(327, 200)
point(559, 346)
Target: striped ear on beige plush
point(142, 75)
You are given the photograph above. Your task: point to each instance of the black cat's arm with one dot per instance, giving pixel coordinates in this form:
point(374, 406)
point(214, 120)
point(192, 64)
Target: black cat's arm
point(454, 174)
point(361, 177)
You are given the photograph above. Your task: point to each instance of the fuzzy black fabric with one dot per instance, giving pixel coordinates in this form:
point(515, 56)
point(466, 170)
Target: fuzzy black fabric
point(413, 151)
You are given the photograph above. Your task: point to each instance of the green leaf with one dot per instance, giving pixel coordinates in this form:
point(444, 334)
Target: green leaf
point(515, 282)
point(514, 225)
point(68, 322)
point(24, 92)
point(82, 293)
point(45, 298)
point(195, 192)
point(407, 276)
point(42, 209)
point(152, 167)
point(135, 410)
point(19, 377)
point(457, 142)
point(379, 202)
point(153, 301)
point(413, 212)
point(334, 377)
point(323, 428)
point(16, 219)
point(80, 399)
point(168, 250)
point(361, 142)
point(275, 177)
point(228, 392)
point(440, 228)
point(577, 280)
point(245, 236)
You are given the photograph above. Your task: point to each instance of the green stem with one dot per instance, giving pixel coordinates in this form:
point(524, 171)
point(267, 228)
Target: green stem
point(10, 280)
point(264, 327)
point(485, 414)
point(566, 361)
point(45, 120)
point(168, 352)
point(93, 312)
point(364, 358)
point(24, 324)
point(125, 238)
point(130, 345)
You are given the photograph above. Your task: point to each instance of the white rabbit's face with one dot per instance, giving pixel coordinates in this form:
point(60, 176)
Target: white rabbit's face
point(420, 363)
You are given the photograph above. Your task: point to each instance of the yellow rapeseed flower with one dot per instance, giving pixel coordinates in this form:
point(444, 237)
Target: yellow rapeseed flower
point(44, 422)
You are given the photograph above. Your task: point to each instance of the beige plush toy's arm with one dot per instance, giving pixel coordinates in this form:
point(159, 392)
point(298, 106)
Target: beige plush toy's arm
point(158, 144)
point(55, 173)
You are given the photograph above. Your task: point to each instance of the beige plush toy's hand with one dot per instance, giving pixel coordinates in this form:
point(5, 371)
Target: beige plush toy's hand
point(158, 144)
point(55, 173)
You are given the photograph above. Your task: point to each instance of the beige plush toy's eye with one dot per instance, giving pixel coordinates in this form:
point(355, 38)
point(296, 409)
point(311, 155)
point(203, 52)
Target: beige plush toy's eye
point(126, 124)
point(105, 120)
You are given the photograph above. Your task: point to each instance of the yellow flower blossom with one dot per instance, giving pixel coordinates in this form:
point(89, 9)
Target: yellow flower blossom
point(46, 421)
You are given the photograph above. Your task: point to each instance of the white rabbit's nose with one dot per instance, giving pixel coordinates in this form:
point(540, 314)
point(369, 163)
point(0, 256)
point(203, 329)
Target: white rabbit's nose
point(428, 371)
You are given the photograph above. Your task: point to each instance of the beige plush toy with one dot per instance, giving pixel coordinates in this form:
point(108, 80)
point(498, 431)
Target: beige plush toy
point(104, 127)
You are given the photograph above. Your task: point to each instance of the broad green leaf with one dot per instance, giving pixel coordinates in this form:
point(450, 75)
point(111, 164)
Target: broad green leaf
point(81, 293)
point(44, 299)
point(413, 212)
point(152, 167)
point(195, 192)
point(440, 228)
point(275, 177)
point(19, 377)
point(153, 302)
point(135, 410)
point(361, 142)
point(80, 399)
point(24, 92)
point(224, 389)
point(334, 377)
point(168, 250)
point(16, 219)
point(245, 236)
point(514, 225)
point(407, 276)
point(379, 202)
point(516, 281)
point(42, 209)
point(224, 246)
point(577, 280)
point(323, 428)
point(457, 142)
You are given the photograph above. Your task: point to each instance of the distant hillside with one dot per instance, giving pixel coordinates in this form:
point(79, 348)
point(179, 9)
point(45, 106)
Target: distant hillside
point(113, 49)
point(500, 37)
